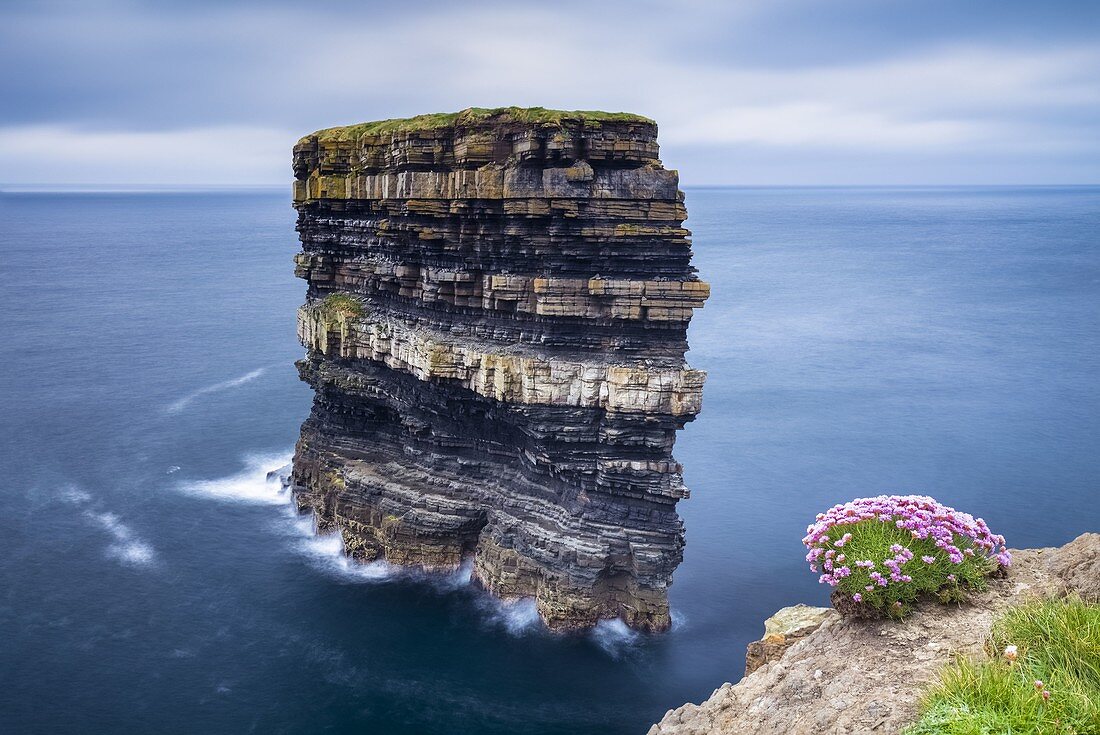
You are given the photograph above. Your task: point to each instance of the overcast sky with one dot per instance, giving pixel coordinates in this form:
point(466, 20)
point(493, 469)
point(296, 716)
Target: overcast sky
point(744, 91)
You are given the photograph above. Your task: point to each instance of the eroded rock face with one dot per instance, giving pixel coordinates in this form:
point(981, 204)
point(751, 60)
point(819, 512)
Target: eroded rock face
point(849, 676)
point(781, 631)
point(509, 379)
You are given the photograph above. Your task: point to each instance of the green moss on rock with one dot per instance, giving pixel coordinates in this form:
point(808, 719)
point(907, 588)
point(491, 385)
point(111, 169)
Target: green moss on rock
point(341, 305)
point(474, 116)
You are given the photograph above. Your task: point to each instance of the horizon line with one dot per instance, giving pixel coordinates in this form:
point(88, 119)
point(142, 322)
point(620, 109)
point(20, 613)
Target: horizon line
point(121, 188)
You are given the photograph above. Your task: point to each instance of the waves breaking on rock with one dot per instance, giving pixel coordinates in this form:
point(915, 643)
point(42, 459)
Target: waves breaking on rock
point(264, 480)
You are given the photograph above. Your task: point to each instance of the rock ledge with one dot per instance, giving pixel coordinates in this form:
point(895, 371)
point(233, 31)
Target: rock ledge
point(848, 676)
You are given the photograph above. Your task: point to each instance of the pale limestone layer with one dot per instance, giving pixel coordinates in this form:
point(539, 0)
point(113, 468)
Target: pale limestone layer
point(509, 378)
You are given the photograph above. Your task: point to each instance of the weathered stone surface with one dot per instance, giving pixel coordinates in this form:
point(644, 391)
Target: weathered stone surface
point(852, 676)
point(504, 375)
point(781, 631)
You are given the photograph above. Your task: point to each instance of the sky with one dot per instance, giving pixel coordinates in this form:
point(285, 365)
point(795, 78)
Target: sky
point(745, 92)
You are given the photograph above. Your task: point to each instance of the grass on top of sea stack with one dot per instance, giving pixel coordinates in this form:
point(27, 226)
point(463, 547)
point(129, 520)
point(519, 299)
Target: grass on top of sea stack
point(881, 554)
point(1042, 677)
point(474, 116)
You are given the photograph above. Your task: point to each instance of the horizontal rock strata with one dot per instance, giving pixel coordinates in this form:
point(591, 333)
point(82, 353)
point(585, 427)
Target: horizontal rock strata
point(817, 672)
point(496, 322)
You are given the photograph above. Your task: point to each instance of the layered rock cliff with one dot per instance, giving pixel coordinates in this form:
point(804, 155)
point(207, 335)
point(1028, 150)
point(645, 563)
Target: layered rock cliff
point(818, 672)
point(496, 322)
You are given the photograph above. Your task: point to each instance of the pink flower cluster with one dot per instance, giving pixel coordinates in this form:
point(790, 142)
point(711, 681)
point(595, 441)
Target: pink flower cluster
point(922, 516)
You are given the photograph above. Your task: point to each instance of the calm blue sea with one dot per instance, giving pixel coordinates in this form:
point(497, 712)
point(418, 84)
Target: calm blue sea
point(935, 340)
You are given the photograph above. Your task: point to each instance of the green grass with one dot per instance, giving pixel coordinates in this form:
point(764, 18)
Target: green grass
point(1058, 643)
point(339, 304)
point(472, 116)
point(871, 541)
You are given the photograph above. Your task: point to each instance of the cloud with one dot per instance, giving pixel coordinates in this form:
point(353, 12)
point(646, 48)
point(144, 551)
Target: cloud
point(943, 99)
point(813, 124)
point(217, 93)
point(67, 154)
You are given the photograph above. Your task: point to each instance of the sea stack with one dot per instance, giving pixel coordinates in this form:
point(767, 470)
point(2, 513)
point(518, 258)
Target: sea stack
point(496, 320)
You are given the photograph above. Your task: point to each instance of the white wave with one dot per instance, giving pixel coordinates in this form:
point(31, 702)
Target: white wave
point(517, 617)
point(251, 485)
point(73, 494)
point(614, 637)
point(177, 406)
point(325, 553)
point(127, 547)
point(172, 469)
point(679, 620)
point(260, 482)
point(458, 578)
point(135, 553)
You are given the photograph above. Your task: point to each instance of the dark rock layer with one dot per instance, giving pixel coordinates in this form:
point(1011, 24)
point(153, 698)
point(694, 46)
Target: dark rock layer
point(496, 324)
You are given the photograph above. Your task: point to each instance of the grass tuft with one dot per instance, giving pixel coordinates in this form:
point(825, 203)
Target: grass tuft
point(341, 305)
point(1057, 653)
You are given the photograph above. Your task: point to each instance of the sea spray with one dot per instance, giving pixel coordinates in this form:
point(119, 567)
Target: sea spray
point(264, 480)
point(126, 546)
point(614, 637)
point(516, 617)
point(254, 484)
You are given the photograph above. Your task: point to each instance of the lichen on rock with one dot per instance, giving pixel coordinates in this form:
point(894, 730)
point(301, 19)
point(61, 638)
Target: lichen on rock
point(782, 630)
point(496, 322)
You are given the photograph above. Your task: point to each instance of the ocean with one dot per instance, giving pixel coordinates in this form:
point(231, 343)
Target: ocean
point(858, 340)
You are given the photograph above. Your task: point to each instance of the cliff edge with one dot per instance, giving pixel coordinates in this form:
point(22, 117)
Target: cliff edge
point(496, 320)
point(817, 672)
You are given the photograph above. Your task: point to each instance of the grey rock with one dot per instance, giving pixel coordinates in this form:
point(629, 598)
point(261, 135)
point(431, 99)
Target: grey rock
point(496, 321)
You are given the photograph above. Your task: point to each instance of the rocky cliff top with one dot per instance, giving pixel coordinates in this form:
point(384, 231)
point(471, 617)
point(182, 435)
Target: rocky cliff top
point(817, 672)
point(484, 117)
point(477, 138)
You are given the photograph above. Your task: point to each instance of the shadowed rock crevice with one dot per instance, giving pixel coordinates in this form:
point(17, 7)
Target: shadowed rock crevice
point(496, 320)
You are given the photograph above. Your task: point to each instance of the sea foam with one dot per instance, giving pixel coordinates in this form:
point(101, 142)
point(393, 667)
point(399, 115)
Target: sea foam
point(257, 483)
point(182, 403)
point(614, 637)
point(516, 617)
point(126, 547)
